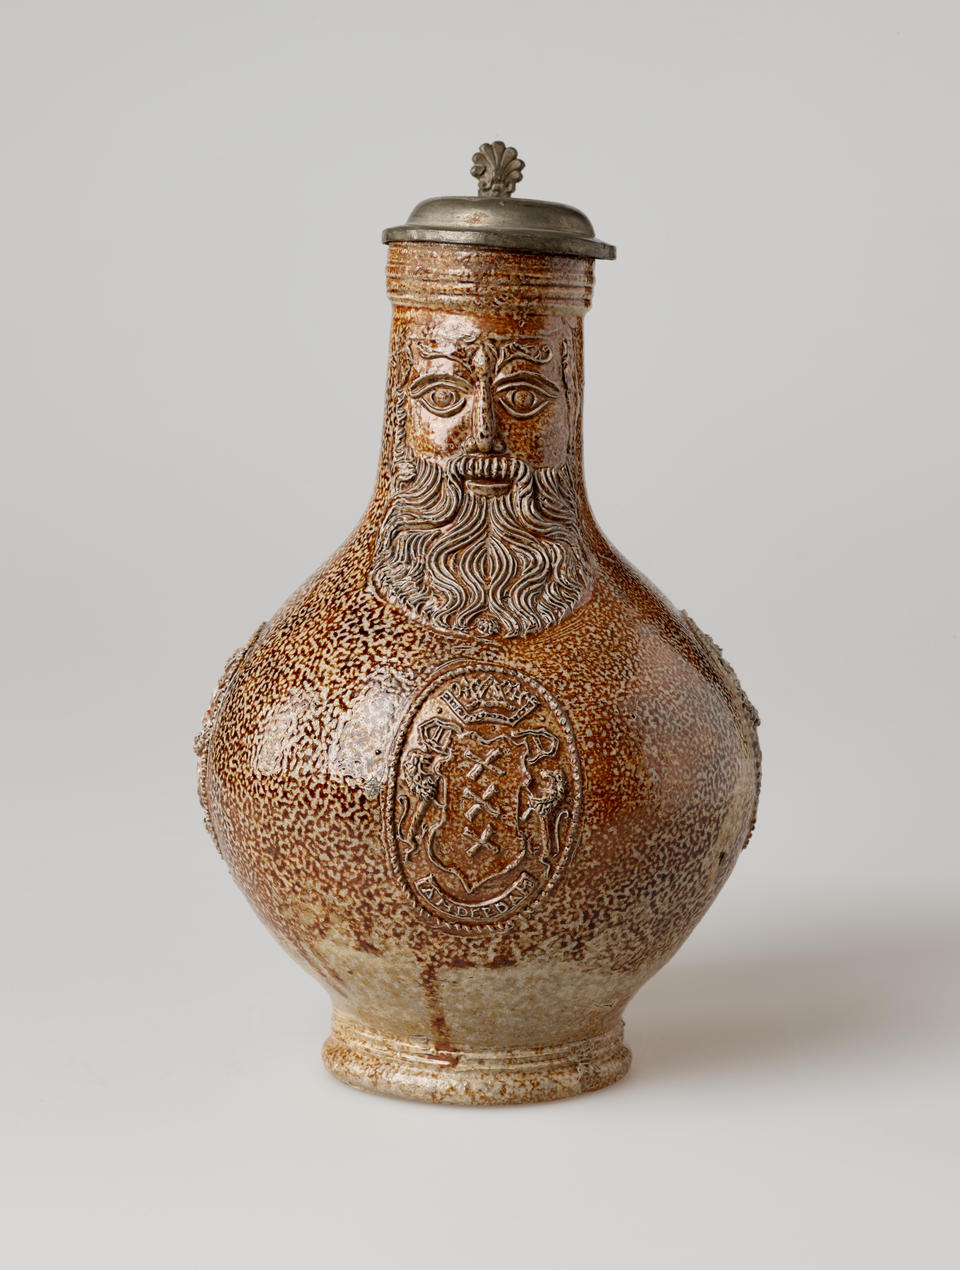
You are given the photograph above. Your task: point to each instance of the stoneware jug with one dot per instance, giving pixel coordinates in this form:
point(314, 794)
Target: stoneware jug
point(478, 775)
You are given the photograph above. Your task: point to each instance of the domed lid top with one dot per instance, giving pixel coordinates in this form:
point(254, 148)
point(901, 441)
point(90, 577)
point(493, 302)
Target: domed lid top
point(492, 218)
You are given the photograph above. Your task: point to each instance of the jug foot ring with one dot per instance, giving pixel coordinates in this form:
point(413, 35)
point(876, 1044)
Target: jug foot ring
point(368, 1059)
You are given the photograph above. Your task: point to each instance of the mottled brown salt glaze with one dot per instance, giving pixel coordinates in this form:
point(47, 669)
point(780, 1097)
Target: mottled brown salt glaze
point(482, 783)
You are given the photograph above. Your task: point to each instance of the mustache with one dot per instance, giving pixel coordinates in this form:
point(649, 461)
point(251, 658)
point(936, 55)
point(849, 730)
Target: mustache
point(491, 467)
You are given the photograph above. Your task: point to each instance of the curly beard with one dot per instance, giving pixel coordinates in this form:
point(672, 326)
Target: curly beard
point(496, 561)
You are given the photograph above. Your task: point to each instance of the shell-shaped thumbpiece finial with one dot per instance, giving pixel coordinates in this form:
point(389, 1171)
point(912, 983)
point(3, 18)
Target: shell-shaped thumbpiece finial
point(497, 170)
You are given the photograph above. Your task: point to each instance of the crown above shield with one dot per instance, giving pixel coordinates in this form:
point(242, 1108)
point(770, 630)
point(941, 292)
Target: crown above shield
point(489, 700)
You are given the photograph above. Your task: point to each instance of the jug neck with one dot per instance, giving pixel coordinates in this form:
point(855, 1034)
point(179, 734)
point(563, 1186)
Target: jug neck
point(486, 361)
point(484, 525)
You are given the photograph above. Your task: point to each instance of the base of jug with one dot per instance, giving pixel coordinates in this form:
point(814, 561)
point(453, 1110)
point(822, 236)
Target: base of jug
point(368, 1059)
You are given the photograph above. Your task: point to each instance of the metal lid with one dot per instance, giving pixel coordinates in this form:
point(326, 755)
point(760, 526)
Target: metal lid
point(493, 219)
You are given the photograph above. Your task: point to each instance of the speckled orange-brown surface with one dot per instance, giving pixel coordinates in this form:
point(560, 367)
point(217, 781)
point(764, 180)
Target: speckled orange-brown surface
point(478, 774)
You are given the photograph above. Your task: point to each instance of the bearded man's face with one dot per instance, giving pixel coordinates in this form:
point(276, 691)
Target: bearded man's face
point(483, 534)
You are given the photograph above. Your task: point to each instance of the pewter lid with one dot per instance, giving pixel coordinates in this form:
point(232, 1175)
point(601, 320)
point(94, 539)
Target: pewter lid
point(492, 218)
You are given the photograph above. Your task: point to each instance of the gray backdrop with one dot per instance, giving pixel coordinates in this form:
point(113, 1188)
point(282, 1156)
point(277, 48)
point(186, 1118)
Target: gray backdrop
point(193, 330)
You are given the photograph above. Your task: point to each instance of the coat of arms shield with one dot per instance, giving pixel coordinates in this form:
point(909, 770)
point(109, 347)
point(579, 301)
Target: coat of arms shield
point(484, 804)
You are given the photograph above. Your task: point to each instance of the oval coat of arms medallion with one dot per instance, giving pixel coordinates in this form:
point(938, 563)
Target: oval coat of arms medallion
point(484, 799)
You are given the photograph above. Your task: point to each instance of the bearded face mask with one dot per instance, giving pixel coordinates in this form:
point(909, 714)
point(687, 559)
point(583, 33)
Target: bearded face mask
point(483, 534)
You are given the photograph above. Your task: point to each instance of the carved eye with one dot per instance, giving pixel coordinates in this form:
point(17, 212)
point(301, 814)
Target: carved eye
point(442, 395)
point(523, 396)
